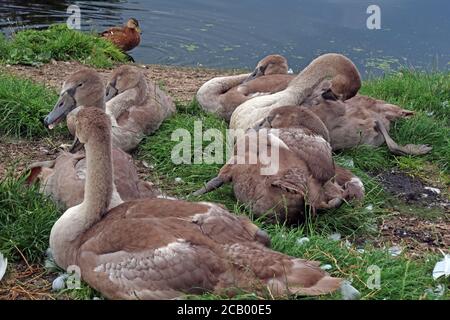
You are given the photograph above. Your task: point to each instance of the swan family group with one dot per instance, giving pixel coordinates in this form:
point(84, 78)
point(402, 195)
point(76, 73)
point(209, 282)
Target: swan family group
point(130, 241)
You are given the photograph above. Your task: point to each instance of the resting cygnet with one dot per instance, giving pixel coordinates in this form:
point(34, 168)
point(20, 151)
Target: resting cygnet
point(222, 95)
point(306, 175)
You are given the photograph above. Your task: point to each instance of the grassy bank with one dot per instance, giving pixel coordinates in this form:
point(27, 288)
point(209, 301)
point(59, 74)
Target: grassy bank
point(26, 216)
point(34, 47)
point(23, 105)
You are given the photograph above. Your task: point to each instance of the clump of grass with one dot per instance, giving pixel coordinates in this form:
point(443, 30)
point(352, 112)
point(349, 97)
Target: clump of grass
point(428, 94)
point(414, 90)
point(367, 158)
point(26, 218)
point(423, 129)
point(23, 105)
point(58, 42)
point(157, 149)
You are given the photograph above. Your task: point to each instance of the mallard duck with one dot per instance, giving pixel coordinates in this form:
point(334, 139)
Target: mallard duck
point(222, 95)
point(125, 38)
point(164, 249)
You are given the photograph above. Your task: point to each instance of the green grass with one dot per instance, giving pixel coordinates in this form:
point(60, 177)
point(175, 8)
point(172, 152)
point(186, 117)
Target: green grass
point(26, 218)
point(34, 47)
point(429, 96)
point(23, 105)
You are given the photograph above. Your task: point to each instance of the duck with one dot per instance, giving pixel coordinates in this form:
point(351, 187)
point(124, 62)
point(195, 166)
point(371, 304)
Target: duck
point(137, 107)
point(306, 175)
point(165, 249)
point(63, 178)
point(222, 95)
point(361, 120)
point(343, 78)
point(126, 38)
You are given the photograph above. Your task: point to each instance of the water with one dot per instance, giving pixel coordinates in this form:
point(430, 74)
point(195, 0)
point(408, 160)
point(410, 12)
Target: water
point(237, 33)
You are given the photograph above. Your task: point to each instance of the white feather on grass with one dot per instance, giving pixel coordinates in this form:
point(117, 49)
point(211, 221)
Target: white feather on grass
point(3, 265)
point(442, 268)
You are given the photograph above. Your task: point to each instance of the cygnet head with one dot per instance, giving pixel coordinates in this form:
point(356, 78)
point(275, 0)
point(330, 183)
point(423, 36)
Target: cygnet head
point(83, 88)
point(123, 78)
point(272, 64)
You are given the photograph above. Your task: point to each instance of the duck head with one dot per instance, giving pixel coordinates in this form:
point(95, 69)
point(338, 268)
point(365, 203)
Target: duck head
point(82, 88)
point(272, 64)
point(132, 23)
point(123, 78)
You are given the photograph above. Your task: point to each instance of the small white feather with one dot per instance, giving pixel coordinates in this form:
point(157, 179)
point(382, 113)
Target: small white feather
point(442, 268)
point(302, 241)
point(3, 266)
point(349, 292)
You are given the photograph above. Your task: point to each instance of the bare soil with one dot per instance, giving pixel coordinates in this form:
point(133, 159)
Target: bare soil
point(420, 219)
point(417, 235)
point(412, 190)
point(17, 154)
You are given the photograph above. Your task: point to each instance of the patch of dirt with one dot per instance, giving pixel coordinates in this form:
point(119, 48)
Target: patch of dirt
point(181, 83)
point(416, 234)
point(413, 190)
point(420, 219)
point(17, 155)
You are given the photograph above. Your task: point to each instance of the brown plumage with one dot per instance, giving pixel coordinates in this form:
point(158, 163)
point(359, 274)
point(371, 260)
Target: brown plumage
point(222, 95)
point(63, 179)
point(125, 38)
point(306, 173)
point(343, 77)
point(137, 106)
point(361, 120)
point(163, 249)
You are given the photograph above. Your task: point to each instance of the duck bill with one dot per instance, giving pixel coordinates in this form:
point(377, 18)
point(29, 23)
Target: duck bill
point(255, 74)
point(111, 92)
point(65, 104)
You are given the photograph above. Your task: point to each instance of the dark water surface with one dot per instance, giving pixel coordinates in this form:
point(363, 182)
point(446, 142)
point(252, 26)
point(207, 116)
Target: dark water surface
point(237, 33)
